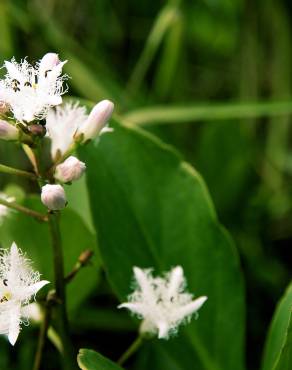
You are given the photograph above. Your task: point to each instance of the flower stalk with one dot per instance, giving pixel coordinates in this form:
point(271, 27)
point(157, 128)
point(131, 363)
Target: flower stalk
point(29, 212)
point(60, 310)
point(131, 350)
point(42, 336)
point(15, 171)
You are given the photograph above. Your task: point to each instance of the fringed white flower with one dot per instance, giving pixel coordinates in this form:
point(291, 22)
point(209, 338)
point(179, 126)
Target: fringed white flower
point(61, 125)
point(18, 285)
point(70, 123)
point(30, 91)
point(162, 302)
point(4, 211)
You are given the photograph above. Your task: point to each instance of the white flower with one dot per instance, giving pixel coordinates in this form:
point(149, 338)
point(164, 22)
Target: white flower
point(18, 285)
point(161, 301)
point(4, 211)
point(61, 125)
point(70, 123)
point(70, 170)
point(31, 91)
point(53, 197)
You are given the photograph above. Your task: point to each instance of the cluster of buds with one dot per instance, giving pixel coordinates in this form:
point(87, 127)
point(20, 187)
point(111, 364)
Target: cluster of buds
point(31, 109)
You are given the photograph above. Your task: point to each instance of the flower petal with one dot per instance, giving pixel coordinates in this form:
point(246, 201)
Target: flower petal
point(163, 329)
point(32, 289)
point(137, 308)
point(190, 308)
point(14, 324)
point(176, 280)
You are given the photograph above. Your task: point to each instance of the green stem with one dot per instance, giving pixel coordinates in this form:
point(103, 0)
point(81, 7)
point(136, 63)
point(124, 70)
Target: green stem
point(27, 211)
point(42, 337)
point(15, 171)
point(83, 260)
point(60, 309)
point(131, 350)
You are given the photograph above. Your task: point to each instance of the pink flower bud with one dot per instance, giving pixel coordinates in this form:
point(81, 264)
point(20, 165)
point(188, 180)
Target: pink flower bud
point(53, 197)
point(96, 120)
point(70, 170)
point(8, 131)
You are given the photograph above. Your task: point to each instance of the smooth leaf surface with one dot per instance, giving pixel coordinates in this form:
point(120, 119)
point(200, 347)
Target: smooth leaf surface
point(151, 209)
point(278, 350)
point(33, 238)
point(91, 360)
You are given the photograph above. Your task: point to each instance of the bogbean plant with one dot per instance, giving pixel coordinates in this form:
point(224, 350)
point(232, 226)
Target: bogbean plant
point(34, 115)
point(155, 223)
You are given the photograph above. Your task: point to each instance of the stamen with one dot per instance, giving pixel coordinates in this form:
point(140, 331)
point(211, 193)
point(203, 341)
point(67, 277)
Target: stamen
point(27, 84)
point(15, 82)
point(46, 72)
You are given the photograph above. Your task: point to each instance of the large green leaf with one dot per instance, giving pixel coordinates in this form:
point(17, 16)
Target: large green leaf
point(91, 360)
point(34, 239)
point(278, 349)
point(152, 209)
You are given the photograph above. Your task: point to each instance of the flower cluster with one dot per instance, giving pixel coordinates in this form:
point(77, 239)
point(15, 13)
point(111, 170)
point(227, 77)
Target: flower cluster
point(31, 108)
point(161, 301)
point(18, 285)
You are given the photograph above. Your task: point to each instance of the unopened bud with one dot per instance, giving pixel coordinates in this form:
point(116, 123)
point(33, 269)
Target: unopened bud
point(8, 131)
point(70, 170)
point(37, 130)
point(96, 120)
point(53, 197)
point(48, 61)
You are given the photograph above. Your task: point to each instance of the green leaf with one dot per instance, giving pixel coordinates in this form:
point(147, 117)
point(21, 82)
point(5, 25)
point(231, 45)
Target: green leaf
point(151, 209)
point(90, 360)
point(278, 348)
point(33, 238)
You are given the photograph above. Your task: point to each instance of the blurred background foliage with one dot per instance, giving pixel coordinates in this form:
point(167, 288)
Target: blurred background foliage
point(210, 77)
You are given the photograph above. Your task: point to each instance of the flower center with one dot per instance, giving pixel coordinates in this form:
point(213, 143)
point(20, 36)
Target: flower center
point(5, 297)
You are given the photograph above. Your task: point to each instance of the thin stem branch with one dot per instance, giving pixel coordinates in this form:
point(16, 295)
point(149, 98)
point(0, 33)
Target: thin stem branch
point(131, 350)
point(60, 309)
point(17, 172)
point(25, 210)
point(83, 260)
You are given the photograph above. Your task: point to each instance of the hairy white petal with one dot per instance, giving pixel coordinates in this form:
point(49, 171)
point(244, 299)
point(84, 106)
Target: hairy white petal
point(176, 280)
point(137, 308)
point(144, 282)
point(190, 308)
